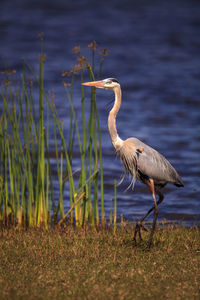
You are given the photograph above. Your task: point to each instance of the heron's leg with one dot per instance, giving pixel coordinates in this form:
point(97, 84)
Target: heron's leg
point(152, 188)
point(139, 223)
point(161, 197)
point(138, 227)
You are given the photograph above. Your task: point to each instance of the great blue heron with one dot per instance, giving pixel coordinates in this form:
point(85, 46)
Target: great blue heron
point(139, 159)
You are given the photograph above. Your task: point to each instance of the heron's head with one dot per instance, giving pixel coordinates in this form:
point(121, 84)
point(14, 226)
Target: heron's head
point(107, 84)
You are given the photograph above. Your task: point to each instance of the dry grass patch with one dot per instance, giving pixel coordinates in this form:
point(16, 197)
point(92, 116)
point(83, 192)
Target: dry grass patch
point(99, 265)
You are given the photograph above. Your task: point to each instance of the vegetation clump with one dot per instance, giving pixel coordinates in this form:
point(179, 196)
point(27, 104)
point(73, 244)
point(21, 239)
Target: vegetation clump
point(28, 178)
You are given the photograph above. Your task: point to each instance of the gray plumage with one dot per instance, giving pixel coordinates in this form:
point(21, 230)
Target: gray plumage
point(147, 163)
point(140, 160)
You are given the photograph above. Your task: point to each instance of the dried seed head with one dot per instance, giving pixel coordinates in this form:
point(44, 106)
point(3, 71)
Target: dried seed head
point(43, 57)
point(82, 60)
point(77, 50)
point(67, 73)
point(41, 36)
point(93, 45)
point(30, 81)
point(104, 52)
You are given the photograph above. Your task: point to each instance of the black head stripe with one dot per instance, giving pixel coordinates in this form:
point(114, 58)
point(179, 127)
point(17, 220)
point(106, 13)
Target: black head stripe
point(113, 80)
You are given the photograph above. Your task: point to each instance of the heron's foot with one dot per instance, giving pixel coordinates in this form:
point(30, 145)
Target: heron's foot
point(138, 228)
point(148, 246)
point(150, 241)
point(147, 249)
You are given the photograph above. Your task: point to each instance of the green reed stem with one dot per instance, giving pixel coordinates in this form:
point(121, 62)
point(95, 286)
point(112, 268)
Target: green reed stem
point(26, 177)
point(103, 221)
point(40, 192)
point(68, 163)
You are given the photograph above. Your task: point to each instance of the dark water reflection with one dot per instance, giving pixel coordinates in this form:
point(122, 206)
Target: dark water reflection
point(154, 52)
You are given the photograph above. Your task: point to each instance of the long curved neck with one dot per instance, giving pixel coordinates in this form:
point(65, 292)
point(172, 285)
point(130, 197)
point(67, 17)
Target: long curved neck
point(116, 141)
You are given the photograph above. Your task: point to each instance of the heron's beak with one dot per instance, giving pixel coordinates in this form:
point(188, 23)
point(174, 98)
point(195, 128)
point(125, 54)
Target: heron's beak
point(98, 84)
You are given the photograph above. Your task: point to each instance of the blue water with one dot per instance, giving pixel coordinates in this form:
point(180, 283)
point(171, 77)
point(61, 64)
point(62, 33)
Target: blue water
point(154, 51)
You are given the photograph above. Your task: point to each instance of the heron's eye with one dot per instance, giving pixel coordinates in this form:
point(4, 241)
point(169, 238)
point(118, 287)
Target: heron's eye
point(109, 82)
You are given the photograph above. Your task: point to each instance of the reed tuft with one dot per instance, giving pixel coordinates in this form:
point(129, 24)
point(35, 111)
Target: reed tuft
point(38, 183)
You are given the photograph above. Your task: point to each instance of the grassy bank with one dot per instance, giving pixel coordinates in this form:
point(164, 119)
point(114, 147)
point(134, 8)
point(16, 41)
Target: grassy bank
point(79, 264)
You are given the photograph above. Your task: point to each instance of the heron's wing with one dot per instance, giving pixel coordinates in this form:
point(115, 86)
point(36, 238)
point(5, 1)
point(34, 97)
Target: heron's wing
point(153, 164)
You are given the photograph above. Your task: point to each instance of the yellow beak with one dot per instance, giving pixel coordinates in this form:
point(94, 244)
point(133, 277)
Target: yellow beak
point(99, 83)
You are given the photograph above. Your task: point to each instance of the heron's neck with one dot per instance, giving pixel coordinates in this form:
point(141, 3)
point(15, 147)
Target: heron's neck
point(116, 141)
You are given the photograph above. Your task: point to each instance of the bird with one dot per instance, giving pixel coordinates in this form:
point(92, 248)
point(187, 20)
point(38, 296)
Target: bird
point(140, 160)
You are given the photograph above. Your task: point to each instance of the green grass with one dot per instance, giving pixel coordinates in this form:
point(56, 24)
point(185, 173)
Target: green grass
point(78, 264)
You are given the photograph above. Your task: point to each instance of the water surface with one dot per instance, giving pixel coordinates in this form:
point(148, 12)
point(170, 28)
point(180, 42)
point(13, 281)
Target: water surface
point(154, 52)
